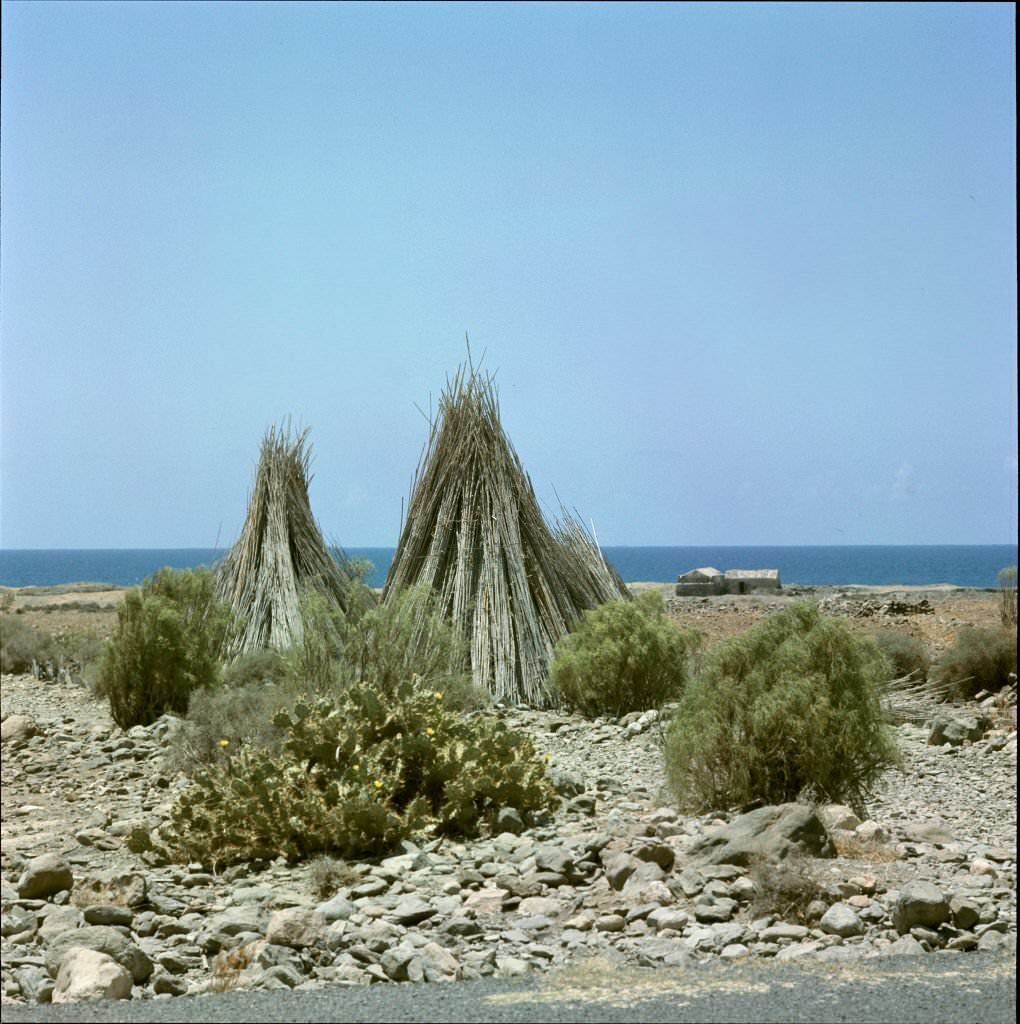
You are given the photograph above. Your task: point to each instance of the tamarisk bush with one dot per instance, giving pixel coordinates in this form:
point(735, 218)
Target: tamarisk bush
point(791, 707)
point(623, 656)
point(166, 645)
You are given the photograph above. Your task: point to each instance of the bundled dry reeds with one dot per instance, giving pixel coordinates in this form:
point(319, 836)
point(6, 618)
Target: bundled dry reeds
point(474, 534)
point(915, 701)
point(281, 551)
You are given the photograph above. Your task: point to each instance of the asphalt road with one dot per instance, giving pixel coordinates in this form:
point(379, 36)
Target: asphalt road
point(899, 990)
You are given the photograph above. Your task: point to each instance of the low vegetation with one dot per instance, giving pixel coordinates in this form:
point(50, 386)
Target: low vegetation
point(22, 645)
point(356, 774)
point(166, 646)
point(907, 655)
point(622, 656)
point(789, 891)
point(790, 708)
point(981, 659)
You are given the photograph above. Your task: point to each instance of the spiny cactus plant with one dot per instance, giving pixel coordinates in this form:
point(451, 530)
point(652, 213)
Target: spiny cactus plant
point(358, 773)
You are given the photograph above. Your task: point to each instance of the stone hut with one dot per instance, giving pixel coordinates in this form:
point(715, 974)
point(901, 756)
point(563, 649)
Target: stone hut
point(707, 582)
point(700, 583)
point(752, 581)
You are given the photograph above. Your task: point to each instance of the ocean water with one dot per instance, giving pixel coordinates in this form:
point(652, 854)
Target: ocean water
point(880, 565)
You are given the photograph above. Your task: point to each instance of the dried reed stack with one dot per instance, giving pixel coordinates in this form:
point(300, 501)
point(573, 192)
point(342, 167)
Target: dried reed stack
point(280, 552)
point(475, 535)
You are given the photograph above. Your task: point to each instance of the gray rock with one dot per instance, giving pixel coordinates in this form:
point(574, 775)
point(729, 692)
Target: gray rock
point(87, 975)
point(905, 945)
point(784, 930)
point(618, 867)
point(44, 876)
point(770, 833)
point(58, 920)
point(921, 904)
point(101, 939)
point(842, 920)
point(954, 729)
point(508, 819)
point(439, 964)
point(108, 913)
point(412, 910)
point(661, 854)
point(18, 729)
point(339, 908)
point(709, 909)
point(966, 912)
point(296, 928)
point(35, 984)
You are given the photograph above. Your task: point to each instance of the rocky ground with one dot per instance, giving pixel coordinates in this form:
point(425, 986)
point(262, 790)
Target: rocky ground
point(616, 874)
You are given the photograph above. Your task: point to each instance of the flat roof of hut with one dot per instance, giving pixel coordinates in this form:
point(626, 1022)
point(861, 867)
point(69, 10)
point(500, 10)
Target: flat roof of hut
point(703, 575)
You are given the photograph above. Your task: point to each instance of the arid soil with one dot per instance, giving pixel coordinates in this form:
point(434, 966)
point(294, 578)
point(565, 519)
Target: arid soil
point(549, 897)
point(933, 615)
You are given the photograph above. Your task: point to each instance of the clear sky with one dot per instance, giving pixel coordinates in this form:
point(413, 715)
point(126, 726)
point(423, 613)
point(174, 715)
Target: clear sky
point(746, 274)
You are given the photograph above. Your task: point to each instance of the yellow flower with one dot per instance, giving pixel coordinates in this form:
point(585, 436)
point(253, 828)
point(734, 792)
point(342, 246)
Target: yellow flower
point(357, 767)
point(378, 784)
point(430, 732)
point(437, 695)
point(224, 743)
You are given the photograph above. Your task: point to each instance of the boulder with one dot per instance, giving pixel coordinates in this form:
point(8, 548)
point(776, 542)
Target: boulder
point(18, 729)
point(86, 975)
point(842, 920)
point(955, 729)
point(119, 888)
point(920, 904)
point(101, 939)
point(45, 876)
point(770, 833)
point(296, 928)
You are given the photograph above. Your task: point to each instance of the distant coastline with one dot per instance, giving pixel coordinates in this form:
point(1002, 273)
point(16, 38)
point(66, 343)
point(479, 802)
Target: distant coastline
point(965, 565)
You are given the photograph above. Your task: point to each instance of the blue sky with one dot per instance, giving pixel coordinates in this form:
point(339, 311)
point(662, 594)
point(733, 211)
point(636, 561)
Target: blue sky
point(745, 273)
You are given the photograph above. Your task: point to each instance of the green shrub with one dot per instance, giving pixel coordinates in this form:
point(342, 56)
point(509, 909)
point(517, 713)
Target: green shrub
point(409, 636)
point(223, 720)
point(906, 654)
point(166, 645)
point(356, 774)
point(22, 644)
point(790, 707)
point(256, 668)
point(314, 662)
point(981, 659)
point(622, 656)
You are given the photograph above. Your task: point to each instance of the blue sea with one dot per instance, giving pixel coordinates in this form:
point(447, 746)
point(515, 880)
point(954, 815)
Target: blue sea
point(881, 565)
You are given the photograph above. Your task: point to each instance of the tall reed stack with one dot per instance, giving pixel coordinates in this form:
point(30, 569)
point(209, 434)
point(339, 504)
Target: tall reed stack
point(475, 535)
point(280, 552)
